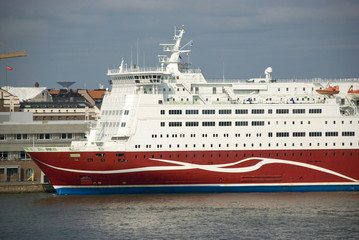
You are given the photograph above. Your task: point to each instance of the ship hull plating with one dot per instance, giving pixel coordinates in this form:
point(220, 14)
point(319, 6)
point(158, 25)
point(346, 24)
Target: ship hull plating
point(200, 171)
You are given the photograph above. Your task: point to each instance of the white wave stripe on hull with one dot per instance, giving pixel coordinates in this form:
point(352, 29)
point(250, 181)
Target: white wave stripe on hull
point(213, 168)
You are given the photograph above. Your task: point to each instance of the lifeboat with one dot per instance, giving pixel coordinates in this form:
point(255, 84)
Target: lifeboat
point(329, 90)
point(353, 94)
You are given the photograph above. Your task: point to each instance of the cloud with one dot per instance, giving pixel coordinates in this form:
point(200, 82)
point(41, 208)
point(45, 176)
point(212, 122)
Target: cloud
point(97, 33)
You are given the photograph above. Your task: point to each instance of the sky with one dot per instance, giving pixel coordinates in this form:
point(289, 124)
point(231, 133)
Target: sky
point(76, 40)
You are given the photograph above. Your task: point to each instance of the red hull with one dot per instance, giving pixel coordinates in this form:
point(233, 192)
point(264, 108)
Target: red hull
point(199, 167)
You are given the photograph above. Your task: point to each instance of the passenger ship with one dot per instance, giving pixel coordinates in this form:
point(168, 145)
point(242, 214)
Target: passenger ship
point(168, 130)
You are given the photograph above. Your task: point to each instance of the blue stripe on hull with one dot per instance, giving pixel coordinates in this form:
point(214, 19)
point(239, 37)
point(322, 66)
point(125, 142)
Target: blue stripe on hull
point(202, 189)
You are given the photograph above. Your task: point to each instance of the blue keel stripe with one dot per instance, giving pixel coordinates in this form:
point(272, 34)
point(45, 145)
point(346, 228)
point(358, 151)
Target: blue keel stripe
point(202, 189)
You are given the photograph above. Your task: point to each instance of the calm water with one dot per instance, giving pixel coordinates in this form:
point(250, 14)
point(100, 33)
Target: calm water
point(181, 216)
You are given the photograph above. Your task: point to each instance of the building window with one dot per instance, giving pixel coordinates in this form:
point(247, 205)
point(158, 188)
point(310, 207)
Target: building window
point(21, 137)
point(44, 136)
point(4, 156)
point(66, 135)
point(29, 172)
point(2, 137)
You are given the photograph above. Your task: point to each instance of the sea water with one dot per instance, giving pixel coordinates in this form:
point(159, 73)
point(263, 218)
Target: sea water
point(316, 215)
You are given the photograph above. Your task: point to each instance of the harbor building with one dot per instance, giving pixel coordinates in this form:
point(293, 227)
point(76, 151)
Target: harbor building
point(34, 116)
point(19, 130)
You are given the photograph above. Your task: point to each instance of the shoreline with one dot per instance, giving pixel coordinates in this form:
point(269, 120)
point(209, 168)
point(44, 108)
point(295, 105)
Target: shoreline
point(25, 187)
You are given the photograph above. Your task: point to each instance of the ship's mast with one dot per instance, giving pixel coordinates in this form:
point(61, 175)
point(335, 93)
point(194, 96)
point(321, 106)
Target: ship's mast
point(172, 61)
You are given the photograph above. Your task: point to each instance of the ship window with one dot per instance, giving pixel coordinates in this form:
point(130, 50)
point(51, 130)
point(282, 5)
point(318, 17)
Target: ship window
point(101, 154)
point(315, 111)
point(346, 134)
point(208, 111)
point(191, 112)
point(175, 112)
point(90, 159)
point(175, 124)
point(223, 124)
point(162, 112)
point(241, 123)
point(331, 134)
point(298, 111)
point(162, 124)
point(191, 124)
point(225, 111)
point(282, 134)
point(241, 111)
point(208, 124)
point(257, 111)
point(257, 123)
point(282, 111)
point(298, 134)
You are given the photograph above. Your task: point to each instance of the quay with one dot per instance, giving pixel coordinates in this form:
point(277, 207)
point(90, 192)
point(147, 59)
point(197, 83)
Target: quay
point(25, 187)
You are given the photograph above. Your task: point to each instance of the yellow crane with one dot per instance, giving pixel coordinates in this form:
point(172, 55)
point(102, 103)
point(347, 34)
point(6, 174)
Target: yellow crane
point(11, 54)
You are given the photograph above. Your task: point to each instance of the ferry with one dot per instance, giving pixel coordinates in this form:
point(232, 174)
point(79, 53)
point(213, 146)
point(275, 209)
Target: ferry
point(169, 130)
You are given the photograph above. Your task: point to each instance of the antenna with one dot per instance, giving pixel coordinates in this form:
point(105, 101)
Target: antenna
point(131, 59)
point(144, 60)
point(137, 53)
point(223, 71)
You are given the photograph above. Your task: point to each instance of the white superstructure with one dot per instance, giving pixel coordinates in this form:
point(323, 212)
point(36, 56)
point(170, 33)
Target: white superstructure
point(173, 108)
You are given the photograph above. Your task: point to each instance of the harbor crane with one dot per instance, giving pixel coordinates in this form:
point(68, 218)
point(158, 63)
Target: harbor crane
point(11, 54)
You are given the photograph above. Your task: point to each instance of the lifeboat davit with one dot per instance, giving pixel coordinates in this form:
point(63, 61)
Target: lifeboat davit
point(353, 94)
point(329, 90)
